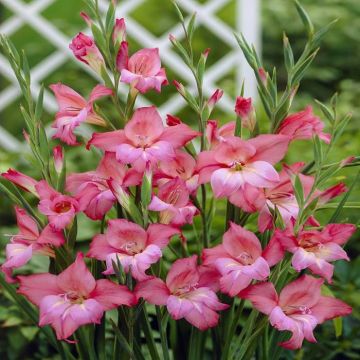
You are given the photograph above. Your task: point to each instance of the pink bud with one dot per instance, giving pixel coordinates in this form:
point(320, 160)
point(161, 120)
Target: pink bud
point(245, 111)
point(179, 87)
point(214, 99)
point(119, 34)
point(58, 158)
point(206, 52)
point(86, 18)
point(172, 38)
point(26, 136)
point(263, 75)
point(347, 161)
point(85, 49)
point(172, 120)
point(19, 179)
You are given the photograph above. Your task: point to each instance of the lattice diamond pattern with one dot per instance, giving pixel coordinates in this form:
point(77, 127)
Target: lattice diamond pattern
point(30, 14)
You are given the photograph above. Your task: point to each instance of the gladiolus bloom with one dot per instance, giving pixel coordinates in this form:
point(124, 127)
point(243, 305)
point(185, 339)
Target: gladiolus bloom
point(128, 243)
point(74, 110)
point(186, 294)
point(28, 241)
point(298, 309)
point(311, 249)
point(73, 298)
point(238, 259)
point(144, 139)
point(85, 50)
point(235, 162)
point(60, 209)
point(173, 203)
point(142, 70)
point(91, 188)
point(303, 125)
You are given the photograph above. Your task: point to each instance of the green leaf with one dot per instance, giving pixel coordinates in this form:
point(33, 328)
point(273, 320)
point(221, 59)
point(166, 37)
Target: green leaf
point(122, 340)
point(326, 111)
point(318, 153)
point(98, 37)
point(191, 26)
point(178, 11)
point(110, 20)
point(298, 190)
point(305, 18)
point(300, 69)
point(39, 103)
point(288, 54)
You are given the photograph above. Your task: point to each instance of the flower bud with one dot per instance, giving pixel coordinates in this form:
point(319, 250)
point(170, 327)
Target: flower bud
point(119, 34)
point(58, 158)
point(246, 112)
point(172, 120)
point(85, 49)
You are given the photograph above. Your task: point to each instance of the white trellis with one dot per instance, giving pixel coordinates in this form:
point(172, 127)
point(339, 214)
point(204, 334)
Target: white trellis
point(247, 20)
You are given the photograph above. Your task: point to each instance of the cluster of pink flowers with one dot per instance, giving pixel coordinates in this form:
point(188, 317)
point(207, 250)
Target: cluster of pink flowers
point(242, 171)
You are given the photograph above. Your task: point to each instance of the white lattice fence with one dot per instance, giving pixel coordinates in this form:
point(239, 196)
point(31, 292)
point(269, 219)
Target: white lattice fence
point(30, 14)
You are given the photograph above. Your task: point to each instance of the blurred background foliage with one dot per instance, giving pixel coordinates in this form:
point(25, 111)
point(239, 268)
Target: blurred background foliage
point(336, 69)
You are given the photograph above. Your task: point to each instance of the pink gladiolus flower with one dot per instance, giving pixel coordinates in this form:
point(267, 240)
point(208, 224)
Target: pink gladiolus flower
point(28, 241)
point(311, 249)
point(245, 110)
point(85, 50)
point(173, 203)
point(128, 243)
point(280, 195)
point(182, 166)
point(91, 188)
point(73, 298)
point(186, 294)
point(142, 70)
point(298, 309)
point(303, 125)
point(238, 259)
point(74, 110)
point(21, 180)
point(235, 162)
point(144, 139)
point(215, 135)
point(60, 209)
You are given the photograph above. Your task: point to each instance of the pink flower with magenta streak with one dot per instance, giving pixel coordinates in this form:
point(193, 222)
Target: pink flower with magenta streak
point(303, 125)
point(311, 249)
point(144, 139)
point(238, 259)
point(85, 50)
point(173, 203)
point(60, 209)
point(235, 162)
point(73, 298)
point(142, 70)
point(28, 241)
point(135, 248)
point(74, 110)
point(91, 188)
point(298, 309)
point(186, 294)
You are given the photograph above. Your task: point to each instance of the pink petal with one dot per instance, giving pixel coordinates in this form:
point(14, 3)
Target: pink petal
point(226, 181)
point(338, 233)
point(263, 296)
point(179, 135)
point(36, 287)
point(160, 234)
point(77, 278)
point(304, 291)
point(128, 154)
point(98, 92)
point(274, 251)
point(26, 223)
point(328, 308)
point(111, 295)
point(145, 62)
point(178, 307)
point(107, 141)
point(67, 98)
point(153, 291)
point(17, 255)
point(51, 236)
point(260, 174)
point(145, 127)
point(259, 270)
point(100, 248)
point(233, 282)
point(269, 148)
